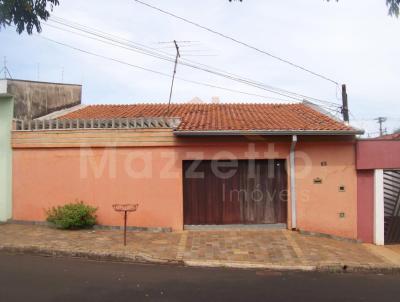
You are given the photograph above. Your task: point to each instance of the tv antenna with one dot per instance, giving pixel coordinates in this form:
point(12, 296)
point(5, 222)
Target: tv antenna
point(173, 75)
point(5, 69)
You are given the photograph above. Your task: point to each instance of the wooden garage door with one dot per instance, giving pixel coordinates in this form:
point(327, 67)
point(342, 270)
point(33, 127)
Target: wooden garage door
point(234, 192)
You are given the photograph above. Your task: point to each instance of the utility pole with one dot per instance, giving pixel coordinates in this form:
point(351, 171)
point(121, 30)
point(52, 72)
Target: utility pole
point(381, 120)
point(345, 106)
point(178, 55)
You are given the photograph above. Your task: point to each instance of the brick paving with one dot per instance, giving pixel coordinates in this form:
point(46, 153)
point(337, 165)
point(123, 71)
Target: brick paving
point(258, 246)
point(280, 247)
point(222, 247)
point(156, 245)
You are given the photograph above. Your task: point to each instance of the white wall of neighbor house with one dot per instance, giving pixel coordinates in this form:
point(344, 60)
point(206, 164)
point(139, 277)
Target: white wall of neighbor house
point(379, 208)
point(3, 86)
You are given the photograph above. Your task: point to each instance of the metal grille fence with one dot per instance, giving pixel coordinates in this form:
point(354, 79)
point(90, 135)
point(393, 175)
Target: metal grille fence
point(119, 123)
point(392, 206)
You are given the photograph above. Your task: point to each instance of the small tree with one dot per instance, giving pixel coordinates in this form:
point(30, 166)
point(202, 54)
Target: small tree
point(25, 14)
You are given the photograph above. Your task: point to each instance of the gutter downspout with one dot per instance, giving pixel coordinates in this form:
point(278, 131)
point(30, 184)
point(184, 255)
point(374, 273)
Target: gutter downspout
point(293, 182)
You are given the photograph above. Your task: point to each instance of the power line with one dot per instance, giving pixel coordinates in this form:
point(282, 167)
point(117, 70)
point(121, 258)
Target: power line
point(144, 50)
point(171, 60)
point(89, 30)
point(233, 77)
point(155, 71)
point(238, 41)
point(371, 119)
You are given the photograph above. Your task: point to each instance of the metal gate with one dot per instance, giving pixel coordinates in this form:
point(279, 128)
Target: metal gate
point(391, 181)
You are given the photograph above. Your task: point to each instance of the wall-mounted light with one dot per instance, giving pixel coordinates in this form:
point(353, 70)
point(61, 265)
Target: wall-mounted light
point(317, 181)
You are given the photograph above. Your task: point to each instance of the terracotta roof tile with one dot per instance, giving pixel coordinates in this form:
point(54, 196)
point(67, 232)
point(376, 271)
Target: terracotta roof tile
point(222, 117)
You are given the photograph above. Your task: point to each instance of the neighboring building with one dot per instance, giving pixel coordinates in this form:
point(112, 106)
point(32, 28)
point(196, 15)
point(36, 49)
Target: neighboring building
point(378, 169)
point(34, 99)
point(294, 165)
point(6, 117)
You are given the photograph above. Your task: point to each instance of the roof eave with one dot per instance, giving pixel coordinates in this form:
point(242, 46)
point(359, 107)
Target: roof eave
point(266, 132)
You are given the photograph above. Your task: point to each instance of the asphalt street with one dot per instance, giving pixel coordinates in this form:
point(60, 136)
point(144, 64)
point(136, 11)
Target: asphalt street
point(34, 278)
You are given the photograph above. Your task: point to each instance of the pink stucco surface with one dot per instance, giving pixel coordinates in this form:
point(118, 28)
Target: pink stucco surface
point(320, 205)
point(372, 154)
point(378, 154)
point(365, 205)
point(152, 177)
point(49, 177)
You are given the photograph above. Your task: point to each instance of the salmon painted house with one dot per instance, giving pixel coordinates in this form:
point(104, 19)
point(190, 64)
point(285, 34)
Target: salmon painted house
point(285, 165)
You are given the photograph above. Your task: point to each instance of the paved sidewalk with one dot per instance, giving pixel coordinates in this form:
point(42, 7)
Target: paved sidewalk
point(274, 249)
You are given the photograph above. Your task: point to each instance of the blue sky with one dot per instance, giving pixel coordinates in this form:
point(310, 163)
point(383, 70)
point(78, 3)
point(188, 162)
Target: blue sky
point(352, 42)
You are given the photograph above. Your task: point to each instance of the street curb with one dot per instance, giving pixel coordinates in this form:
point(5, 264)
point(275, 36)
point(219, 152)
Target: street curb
point(113, 257)
point(144, 258)
point(344, 268)
point(247, 265)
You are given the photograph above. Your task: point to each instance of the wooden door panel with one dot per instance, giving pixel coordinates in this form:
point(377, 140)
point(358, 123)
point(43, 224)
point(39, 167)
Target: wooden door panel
point(240, 198)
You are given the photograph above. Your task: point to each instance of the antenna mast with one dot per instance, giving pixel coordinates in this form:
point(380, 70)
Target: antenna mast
point(173, 75)
point(5, 69)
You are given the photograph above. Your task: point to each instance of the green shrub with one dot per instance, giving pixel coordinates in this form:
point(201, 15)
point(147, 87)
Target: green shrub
point(72, 216)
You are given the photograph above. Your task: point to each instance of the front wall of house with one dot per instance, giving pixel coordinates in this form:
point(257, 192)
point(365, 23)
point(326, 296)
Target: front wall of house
point(101, 177)
point(150, 176)
point(47, 175)
point(322, 206)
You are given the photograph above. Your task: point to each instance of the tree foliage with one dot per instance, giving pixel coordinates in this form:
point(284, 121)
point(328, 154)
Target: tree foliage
point(393, 6)
point(25, 14)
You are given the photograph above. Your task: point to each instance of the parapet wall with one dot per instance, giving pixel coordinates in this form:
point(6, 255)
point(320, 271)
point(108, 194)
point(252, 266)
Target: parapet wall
point(36, 99)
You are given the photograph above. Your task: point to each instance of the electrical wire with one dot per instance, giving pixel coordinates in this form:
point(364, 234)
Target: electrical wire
point(171, 59)
point(155, 71)
point(155, 53)
point(238, 41)
point(182, 62)
point(167, 59)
